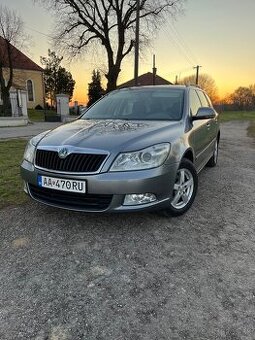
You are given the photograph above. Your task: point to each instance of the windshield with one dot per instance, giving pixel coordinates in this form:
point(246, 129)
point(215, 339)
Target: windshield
point(139, 104)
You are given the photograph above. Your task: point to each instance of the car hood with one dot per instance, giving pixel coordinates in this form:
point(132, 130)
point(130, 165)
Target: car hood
point(111, 135)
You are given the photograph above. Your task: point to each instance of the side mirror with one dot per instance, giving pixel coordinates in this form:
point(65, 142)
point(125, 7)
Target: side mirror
point(204, 113)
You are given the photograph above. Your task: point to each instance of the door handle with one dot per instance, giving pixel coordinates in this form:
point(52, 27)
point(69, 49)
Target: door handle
point(208, 124)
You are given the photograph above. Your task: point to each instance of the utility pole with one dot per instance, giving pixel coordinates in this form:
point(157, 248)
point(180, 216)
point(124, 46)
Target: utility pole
point(137, 37)
point(176, 80)
point(197, 74)
point(154, 71)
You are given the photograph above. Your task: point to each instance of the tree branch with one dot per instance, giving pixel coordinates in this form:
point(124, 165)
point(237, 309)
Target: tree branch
point(111, 23)
point(129, 49)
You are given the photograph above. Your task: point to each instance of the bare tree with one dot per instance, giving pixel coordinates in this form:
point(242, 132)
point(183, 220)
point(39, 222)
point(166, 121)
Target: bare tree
point(243, 98)
point(252, 88)
point(206, 82)
point(109, 24)
point(11, 34)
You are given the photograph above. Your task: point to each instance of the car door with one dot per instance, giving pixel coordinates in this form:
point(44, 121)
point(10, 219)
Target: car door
point(199, 134)
point(212, 124)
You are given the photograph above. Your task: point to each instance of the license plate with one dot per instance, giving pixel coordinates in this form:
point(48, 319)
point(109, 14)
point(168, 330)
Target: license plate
point(61, 184)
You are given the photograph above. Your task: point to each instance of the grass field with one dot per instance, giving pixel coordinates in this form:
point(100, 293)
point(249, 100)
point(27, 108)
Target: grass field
point(38, 115)
point(11, 186)
point(237, 115)
point(229, 116)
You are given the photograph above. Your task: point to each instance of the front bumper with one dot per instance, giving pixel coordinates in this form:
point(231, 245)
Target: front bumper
point(159, 181)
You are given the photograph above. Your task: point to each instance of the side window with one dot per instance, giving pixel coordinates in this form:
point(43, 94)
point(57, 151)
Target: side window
point(30, 90)
point(195, 103)
point(209, 100)
point(203, 99)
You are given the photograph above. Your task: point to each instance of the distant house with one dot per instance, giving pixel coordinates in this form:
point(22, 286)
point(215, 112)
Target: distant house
point(146, 79)
point(27, 75)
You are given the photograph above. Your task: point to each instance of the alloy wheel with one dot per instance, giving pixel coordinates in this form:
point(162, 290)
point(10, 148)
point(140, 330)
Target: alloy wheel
point(183, 189)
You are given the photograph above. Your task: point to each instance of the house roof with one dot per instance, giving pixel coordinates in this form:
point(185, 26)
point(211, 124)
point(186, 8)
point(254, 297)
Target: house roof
point(146, 79)
point(19, 59)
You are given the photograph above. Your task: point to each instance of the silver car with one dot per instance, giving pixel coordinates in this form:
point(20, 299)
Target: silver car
point(135, 149)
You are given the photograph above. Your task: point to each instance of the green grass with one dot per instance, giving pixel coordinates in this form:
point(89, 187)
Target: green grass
point(228, 116)
point(11, 185)
point(38, 115)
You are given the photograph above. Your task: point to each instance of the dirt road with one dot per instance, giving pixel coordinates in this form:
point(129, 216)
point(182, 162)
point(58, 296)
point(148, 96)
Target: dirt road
point(66, 275)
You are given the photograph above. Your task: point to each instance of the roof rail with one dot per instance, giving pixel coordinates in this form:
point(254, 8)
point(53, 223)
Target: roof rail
point(195, 85)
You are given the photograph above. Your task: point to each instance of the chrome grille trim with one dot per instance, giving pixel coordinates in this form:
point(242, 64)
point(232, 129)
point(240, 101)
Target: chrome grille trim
point(74, 163)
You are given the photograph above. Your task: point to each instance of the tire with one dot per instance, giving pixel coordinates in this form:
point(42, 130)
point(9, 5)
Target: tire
point(185, 189)
point(214, 159)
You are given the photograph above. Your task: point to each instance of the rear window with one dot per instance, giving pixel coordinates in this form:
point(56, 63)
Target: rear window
point(139, 104)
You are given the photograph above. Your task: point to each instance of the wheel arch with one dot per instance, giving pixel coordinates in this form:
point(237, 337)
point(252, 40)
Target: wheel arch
point(188, 154)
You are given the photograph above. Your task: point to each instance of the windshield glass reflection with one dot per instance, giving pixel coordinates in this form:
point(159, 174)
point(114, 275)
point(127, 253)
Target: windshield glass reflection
point(144, 104)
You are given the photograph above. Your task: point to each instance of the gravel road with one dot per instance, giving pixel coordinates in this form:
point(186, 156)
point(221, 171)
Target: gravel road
point(66, 275)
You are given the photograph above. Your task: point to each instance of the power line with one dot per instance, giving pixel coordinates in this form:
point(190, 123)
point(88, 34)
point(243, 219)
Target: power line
point(182, 52)
point(180, 45)
point(44, 34)
point(183, 70)
point(183, 43)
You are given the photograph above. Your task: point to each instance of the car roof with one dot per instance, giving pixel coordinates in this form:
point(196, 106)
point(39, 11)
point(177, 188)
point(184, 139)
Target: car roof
point(153, 87)
point(147, 87)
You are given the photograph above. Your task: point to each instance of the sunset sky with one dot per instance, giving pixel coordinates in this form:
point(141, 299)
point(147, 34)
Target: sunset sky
point(216, 34)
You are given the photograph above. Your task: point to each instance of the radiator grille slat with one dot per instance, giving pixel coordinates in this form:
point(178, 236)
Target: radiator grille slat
point(75, 162)
point(90, 202)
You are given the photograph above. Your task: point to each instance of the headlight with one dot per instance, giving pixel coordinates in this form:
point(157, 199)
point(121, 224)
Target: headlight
point(29, 153)
point(148, 158)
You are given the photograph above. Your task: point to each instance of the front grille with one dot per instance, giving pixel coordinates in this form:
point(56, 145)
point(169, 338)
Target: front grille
point(75, 162)
point(76, 201)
